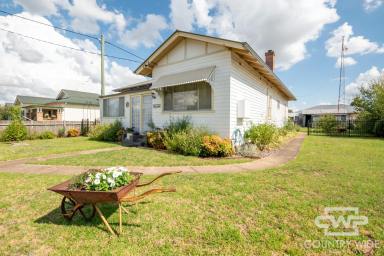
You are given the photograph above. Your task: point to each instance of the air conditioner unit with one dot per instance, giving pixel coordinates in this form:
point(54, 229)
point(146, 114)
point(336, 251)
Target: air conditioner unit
point(243, 109)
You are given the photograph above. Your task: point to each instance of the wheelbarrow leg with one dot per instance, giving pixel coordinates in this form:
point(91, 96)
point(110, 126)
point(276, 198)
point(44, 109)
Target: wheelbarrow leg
point(104, 220)
point(120, 220)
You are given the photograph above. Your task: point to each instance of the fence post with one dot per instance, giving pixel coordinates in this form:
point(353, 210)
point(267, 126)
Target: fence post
point(349, 128)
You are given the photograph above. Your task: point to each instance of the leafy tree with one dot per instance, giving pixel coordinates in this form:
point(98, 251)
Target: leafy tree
point(370, 105)
point(10, 113)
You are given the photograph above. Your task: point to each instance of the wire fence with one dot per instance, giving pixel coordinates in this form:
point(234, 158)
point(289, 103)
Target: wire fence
point(348, 128)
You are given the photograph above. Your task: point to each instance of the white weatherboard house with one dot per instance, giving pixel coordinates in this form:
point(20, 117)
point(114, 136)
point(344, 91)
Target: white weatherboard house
point(220, 84)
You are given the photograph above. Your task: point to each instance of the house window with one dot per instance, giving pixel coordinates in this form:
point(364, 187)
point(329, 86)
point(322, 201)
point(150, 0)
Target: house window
point(113, 107)
point(191, 97)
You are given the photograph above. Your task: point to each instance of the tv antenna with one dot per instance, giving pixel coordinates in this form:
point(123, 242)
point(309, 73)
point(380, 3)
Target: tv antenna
point(341, 99)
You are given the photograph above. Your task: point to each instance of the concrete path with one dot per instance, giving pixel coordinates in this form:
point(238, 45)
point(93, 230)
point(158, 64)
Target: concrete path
point(277, 158)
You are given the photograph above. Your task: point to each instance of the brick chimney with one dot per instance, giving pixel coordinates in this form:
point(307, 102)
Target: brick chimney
point(270, 59)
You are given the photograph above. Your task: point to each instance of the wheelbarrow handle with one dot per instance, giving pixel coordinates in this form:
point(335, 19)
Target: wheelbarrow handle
point(158, 177)
point(149, 192)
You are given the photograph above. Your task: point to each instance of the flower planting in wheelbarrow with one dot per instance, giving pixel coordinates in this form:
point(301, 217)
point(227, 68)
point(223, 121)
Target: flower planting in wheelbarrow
point(83, 193)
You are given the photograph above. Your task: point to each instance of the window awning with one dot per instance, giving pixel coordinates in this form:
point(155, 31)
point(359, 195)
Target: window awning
point(187, 77)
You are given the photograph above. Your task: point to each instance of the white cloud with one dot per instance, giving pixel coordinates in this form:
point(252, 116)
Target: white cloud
point(370, 5)
point(362, 80)
point(146, 33)
point(354, 44)
point(29, 67)
point(85, 14)
point(264, 24)
point(348, 61)
point(41, 7)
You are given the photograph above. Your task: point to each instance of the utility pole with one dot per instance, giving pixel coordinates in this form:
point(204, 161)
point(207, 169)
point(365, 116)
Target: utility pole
point(102, 64)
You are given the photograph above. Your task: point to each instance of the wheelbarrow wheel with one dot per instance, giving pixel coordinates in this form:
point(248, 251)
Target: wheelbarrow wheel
point(69, 207)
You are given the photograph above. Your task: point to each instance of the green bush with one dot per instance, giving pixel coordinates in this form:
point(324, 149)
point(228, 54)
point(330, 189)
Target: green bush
point(15, 131)
point(379, 128)
point(178, 125)
point(61, 132)
point(155, 139)
point(112, 132)
point(46, 135)
point(215, 146)
point(106, 132)
point(327, 124)
point(187, 142)
point(262, 135)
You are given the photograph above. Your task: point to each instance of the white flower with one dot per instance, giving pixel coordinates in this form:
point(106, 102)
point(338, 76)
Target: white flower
point(88, 179)
point(104, 176)
point(116, 174)
point(97, 175)
point(96, 181)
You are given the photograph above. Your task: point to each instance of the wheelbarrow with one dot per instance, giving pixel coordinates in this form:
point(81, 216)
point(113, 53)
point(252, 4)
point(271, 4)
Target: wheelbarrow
point(86, 202)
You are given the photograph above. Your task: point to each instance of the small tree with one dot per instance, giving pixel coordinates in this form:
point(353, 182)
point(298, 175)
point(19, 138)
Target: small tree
point(328, 124)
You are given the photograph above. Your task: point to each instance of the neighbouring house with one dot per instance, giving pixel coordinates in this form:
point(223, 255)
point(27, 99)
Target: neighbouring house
point(67, 106)
point(220, 84)
point(312, 114)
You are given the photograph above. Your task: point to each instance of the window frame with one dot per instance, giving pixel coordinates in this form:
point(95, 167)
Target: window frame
point(211, 108)
point(121, 103)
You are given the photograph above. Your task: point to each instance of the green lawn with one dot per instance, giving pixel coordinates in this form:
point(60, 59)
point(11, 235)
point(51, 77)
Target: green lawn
point(139, 157)
point(32, 148)
point(267, 212)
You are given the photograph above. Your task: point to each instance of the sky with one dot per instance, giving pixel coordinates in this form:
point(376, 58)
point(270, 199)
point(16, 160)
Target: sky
point(305, 35)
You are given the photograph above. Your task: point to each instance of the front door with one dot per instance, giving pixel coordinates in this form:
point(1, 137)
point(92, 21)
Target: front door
point(141, 112)
point(135, 113)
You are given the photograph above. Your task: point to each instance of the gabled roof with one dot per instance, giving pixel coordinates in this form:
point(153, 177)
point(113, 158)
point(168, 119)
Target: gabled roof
point(64, 93)
point(64, 97)
point(31, 100)
point(243, 49)
point(328, 109)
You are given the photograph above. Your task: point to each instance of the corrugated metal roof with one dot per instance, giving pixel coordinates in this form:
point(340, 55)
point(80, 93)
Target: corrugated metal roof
point(121, 89)
point(328, 109)
point(31, 100)
point(64, 97)
point(187, 77)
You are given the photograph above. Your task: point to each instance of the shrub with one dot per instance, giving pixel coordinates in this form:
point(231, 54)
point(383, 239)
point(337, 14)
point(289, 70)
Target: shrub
point(214, 145)
point(187, 142)
point(379, 128)
point(32, 136)
point(328, 124)
point(73, 132)
point(262, 135)
point(112, 131)
point(97, 132)
point(106, 132)
point(155, 139)
point(46, 135)
point(15, 131)
point(61, 132)
point(178, 125)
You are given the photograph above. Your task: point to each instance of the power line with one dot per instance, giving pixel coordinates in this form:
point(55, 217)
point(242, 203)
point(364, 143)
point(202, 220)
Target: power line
point(71, 31)
point(49, 25)
point(68, 47)
point(118, 47)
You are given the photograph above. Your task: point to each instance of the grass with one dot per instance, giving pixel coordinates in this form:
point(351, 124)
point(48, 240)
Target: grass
point(267, 212)
point(139, 157)
point(34, 148)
